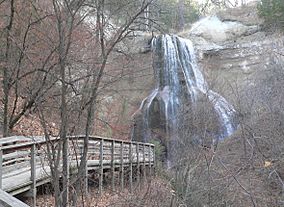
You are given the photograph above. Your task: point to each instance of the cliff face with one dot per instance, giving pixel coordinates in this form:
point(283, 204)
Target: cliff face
point(130, 81)
point(240, 60)
point(244, 63)
point(238, 57)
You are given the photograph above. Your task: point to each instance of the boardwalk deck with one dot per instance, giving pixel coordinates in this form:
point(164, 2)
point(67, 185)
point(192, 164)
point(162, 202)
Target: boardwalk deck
point(7, 200)
point(24, 164)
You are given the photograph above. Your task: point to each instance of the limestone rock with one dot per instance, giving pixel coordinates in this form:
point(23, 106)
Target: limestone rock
point(247, 15)
point(138, 42)
point(214, 30)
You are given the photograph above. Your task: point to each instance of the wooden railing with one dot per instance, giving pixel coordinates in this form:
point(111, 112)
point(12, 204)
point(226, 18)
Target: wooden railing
point(24, 162)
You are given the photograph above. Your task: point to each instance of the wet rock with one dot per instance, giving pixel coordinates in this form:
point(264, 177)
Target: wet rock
point(180, 84)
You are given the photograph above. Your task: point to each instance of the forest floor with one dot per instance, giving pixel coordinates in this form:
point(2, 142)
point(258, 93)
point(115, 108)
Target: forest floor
point(154, 192)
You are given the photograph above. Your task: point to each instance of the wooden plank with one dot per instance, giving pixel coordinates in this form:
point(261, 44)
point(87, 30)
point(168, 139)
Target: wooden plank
point(16, 161)
point(149, 160)
point(154, 159)
point(27, 145)
point(90, 163)
point(101, 167)
point(66, 178)
point(1, 167)
point(121, 167)
point(144, 163)
point(130, 168)
point(33, 174)
point(13, 139)
point(112, 166)
point(12, 170)
point(110, 154)
point(110, 139)
point(40, 140)
point(138, 164)
point(7, 200)
point(15, 155)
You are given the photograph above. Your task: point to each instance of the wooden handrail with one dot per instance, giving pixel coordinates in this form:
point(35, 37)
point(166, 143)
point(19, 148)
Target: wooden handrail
point(29, 159)
point(8, 200)
point(30, 143)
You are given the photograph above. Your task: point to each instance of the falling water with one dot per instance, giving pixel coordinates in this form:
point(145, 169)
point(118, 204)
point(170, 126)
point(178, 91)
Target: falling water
point(174, 66)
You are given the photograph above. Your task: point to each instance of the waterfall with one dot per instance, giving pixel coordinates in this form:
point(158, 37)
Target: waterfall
point(178, 78)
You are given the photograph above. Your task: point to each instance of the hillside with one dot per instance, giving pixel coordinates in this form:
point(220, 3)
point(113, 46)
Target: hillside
point(87, 86)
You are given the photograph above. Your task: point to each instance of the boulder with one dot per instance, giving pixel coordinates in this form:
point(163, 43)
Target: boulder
point(213, 30)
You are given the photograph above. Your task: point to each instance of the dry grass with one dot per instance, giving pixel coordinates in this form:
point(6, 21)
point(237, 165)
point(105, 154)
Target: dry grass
point(152, 193)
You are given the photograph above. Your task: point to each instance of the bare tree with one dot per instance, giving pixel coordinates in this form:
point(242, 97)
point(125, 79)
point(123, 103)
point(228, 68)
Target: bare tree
point(106, 47)
point(6, 68)
point(180, 11)
point(22, 69)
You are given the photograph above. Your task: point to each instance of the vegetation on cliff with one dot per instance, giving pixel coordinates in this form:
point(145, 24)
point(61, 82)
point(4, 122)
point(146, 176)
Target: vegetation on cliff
point(69, 67)
point(273, 12)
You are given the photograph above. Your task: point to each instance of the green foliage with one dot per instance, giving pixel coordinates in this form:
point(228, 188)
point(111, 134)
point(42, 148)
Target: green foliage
point(160, 149)
point(119, 11)
point(167, 13)
point(272, 11)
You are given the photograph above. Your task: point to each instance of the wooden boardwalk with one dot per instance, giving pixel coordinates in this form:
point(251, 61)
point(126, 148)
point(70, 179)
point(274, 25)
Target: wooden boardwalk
point(24, 161)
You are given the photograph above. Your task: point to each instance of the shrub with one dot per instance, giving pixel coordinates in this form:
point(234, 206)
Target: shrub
point(272, 11)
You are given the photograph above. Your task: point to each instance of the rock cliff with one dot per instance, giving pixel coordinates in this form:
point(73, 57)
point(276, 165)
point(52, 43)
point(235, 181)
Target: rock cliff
point(236, 54)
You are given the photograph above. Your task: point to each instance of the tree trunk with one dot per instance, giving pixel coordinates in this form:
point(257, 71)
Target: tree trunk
point(6, 78)
point(82, 180)
point(63, 137)
point(63, 116)
point(64, 27)
point(181, 21)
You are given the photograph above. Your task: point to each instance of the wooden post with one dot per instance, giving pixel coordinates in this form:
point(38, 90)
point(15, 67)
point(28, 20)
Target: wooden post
point(1, 162)
point(150, 160)
point(138, 164)
point(112, 165)
point(86, 170)
point(33, 174)
point(154, 159)
point(144, 163)
point(86, 179)
point(130, 167)
point(68, 170)
point(101, 167)
point(121, 166)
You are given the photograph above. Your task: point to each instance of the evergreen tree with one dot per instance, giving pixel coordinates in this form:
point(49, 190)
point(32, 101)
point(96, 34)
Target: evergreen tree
point(272, 11)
